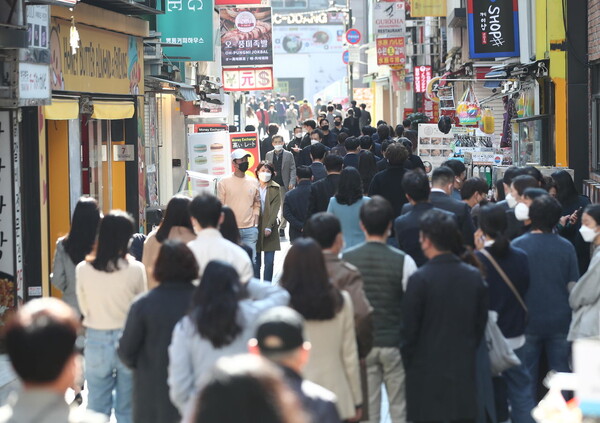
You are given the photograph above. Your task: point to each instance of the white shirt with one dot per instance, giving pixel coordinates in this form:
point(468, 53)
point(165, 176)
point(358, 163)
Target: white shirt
point(210, 245)
point(408, 269)
point(438, 190)
point(263, 196)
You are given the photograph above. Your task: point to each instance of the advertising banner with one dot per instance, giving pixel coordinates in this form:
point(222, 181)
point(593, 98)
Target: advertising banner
point(390, 51)
point(493, 28)
point(423, 8)
point(423, 75)
point(189, 23)
point(435, 147)
point(209, 153)
point(307, 39)
point(247, 79)
point(249, 142)
point(389, 19)
point(246, 36)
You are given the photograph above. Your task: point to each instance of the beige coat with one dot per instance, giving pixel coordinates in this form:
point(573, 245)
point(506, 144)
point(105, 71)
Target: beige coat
point(152, 248)
point(333, 361)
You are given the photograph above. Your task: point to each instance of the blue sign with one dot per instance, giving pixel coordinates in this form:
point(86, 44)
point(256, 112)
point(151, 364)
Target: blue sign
point(353, 36)
point(346, 57)
point(493, 28)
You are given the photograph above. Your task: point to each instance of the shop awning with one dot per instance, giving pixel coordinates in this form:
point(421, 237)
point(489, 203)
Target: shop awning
point(112, 110)
point(62, 109)
point(182, 91)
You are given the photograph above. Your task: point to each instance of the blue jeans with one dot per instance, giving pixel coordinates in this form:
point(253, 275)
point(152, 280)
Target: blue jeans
point(558, 351)
point(105, 374)
point(519, 387)
point(269, 260)
point(249, 237)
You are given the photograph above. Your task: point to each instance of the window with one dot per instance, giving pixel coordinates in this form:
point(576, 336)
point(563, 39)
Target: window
point(289, 4)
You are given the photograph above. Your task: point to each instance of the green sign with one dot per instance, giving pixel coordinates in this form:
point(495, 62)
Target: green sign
point(189, 23)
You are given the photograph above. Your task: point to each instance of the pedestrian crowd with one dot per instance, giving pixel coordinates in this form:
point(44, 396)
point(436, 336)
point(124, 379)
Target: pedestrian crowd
point(393, 282)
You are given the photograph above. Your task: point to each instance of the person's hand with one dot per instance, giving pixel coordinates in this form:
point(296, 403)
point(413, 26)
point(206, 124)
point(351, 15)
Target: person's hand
point(479, 239)
point(290, 187)
point(563, 220)
point(573, 218)
point(267, 232)
point(357, 416)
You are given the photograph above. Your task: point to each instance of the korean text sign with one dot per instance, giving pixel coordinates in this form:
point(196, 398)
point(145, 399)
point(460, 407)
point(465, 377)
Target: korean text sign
point(493, 28)
point(390, 51)
point(246, 36)
point(189, 23)
point(247, 141)
point(422, 78)
point(247, 79)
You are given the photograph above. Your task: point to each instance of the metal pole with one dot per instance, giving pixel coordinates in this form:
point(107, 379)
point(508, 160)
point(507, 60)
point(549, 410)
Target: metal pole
point(350, 65)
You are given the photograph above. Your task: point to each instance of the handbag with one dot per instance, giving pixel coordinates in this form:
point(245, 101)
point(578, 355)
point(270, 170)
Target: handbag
point(502, 357)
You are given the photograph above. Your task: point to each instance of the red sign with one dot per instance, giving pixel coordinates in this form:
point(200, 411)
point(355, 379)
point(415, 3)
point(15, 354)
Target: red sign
point(390, 51)
point(353, 36)
point(247, 141)
point(248, 79)
point(423, 75)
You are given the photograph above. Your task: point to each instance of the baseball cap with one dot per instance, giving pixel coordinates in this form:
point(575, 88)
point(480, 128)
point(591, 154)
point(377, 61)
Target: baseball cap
point(239, 153)
point(279, 329)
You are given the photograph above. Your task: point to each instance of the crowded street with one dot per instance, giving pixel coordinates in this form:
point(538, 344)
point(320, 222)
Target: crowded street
point(300, 211)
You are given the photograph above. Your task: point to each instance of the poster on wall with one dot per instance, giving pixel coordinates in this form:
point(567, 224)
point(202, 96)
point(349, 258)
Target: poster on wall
point(434, 147)
point(493, 28)
point(247, 141)
point(209, 153)
point(424, 8)
point(389, 19)
point(246, 36)
point(307, 39)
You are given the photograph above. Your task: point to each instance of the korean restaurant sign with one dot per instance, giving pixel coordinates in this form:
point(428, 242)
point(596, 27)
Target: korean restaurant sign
point(246, 36)
point(493, 28)
point(423, 75)
point(390, 51)
point(105, 62)
point(247, 79)
point(189, 23)
point(389, 19)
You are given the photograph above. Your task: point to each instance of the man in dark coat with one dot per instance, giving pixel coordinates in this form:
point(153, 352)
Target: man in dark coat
point(280, 338)
point(321, 191)
point(414, 160)
point(266, 145)
point(388, 183)
point(351, 122)
point(444, 316)
point(295, 203)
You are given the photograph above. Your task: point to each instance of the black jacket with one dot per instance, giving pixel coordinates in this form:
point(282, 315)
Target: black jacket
point(295, 208)
point(416, 162)
point(304, 158)
point(330, 140)
point(351, 160)
point(144, 348)
point(318, 402)
point(318, 170)
point(353, 126)
point(407, 228)
point(388, 184)
point(320, 193)
point(444, 315)
point(266, 145)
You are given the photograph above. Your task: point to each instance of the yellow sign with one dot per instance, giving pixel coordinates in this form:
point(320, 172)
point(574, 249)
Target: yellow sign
point(105, 62)
point(423, 8)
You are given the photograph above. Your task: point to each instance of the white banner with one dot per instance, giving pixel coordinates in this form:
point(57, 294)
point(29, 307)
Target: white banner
point(307, 39)
point(389, 19)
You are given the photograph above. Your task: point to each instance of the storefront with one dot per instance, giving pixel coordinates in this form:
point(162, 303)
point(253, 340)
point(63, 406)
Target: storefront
point(92, 139)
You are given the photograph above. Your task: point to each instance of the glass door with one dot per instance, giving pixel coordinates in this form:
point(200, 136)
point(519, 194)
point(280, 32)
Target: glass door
point(100, 163)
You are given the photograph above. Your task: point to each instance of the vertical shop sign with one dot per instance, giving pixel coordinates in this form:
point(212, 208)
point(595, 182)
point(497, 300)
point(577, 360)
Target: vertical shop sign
point(424, 8)
point(246, 36)
point(189, 23)
point(390, 51)
point(389, 19)
point(249, 142)
point(422, 78)
point(493, 28)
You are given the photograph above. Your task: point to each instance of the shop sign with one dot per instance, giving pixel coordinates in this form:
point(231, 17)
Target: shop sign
point(246, 36)
point(390, 51)
point(189, 23)
point(124, 153)
point(38, 33)
point(106, 61)
point(307, 39)
point(493, 28)
point(423, 8)
point(209, 153)
point(209, 127)
point(434, 146)
point(247, 141)
point(235, 2)
point(389, 19)
point(34, 81)
point(247, 79)
point(309, 18)
point(422, 77)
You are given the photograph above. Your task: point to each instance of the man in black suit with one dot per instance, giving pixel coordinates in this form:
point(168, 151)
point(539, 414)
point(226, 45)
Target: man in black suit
point(444, 311)
point(295, 203)
point(442, 183)
point(317, 154)
point(407, 227)
point(266, 145)
point(321, 191)
point(352, 150)
point(304, 157)
point(388, 183)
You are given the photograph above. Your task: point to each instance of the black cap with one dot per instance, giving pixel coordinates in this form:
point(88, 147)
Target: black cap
point(279, 329)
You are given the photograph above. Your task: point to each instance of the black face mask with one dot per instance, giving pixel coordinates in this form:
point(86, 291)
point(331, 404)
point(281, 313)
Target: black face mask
point(325, 127)
point(243, 166)
point(337, 123)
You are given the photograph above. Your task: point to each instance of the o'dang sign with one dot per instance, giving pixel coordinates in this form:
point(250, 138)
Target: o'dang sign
point(493, 28)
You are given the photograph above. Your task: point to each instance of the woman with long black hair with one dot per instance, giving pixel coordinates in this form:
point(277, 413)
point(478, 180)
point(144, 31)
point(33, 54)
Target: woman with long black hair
point(175, 225)
point(107, 283)
point(72, 248)
point(329, 316)
point(219, 324)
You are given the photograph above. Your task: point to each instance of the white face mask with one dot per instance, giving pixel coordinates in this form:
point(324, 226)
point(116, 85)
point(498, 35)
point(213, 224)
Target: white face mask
point(313, 142)
point(588, 234)
point(264, 176)
point(522, 212)
point(278, 147)
point(510, 200)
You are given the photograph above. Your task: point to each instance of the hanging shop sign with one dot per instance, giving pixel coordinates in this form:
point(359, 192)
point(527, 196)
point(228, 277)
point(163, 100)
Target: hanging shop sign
point(247, 79)
point(246, 36)
point(422, 77)
point(389, 19)
point(106, 61)
point(189, 23)
point(493, 28)
point(390, 51)
point(247, 141)
point(309, 18)
point(424, 8)
point(307, 39)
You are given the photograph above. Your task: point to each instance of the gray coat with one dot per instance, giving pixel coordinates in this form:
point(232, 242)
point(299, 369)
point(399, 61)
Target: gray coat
point(585, 302)
point(288, 167)
point(63, 275)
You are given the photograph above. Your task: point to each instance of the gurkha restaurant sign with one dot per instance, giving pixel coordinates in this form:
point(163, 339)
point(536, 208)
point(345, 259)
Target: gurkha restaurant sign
point(105, 62)
point(493, 28)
